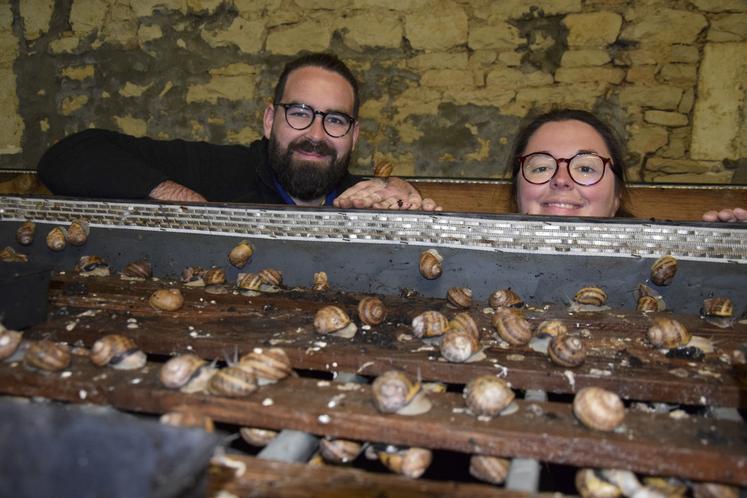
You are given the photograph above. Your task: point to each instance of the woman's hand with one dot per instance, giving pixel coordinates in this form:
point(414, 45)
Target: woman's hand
point(726, 215)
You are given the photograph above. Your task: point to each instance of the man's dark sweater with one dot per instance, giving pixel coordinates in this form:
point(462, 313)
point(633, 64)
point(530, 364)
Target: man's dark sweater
point(107, 164)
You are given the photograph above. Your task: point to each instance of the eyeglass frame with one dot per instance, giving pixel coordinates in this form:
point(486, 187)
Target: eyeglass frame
point(605, 161)
point(287, 105)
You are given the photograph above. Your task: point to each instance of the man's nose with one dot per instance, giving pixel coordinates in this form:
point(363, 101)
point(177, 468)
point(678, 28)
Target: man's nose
point(316, 130)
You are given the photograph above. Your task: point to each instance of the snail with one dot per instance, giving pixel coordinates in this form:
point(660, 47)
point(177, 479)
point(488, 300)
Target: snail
point(411, 462)
point(459, 297)
point(25, 233)
point(47, 355)
point(627, 482)
point(512, 327)
point(668, 333)
point(92, 266)
point(214, 276)
point(167, 299)
point(186, 372)
point(10, 340)
point(56, 239)
point(598, 408)
point(233, 382)
point(117, 351)
point(371, 311)
point(188, 418)
point(489, 468)
point(192, 276)
point(256, 436)
point(383, 169)
point(249, 284)
point(714, 490)
point(567, 350)
point(9, 255)
point(593, 296)
point(488, 396)
point(460, 347)
point(394, 392)
point(431, 264)
point(591, 484)
point(321, 281)
point(463, 322)
point(430, 324)
point(718, 306)
point(77, 232)
point(663, 270)
point(339, 450)
point(333, 320)
point(269, 365)
point(647, 304)
point(649, 300)
point(271, 277)
point(670, 487)
point(505, 298)
point(551, 328)
point(241, 254)
point(138, 270)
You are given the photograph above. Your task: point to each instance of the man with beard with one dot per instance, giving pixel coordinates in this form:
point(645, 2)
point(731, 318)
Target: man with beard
point(310, 131)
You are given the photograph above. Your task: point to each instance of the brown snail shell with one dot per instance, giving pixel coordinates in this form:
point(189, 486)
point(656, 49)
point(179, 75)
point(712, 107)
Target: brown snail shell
point(591, 295)
point(394, 392)
point(505, 298)
point(47, 355)
point(371, 310)
point(321, 281)
point(663, 270)
point(459, 297)
point(591, 484)
point(551, 328)
point(333, 320)
point(271, 276)
point(339, 450)
point(488, 395)
point(463, 322)
point(458, 347)
point(512, 327)
point(431, 264)
point(141, 269)
point(714, 490)
point(214, 276)
point(192, 276)
point(117, 351)
point(412, 462)
point(598, 408)
point(188, 418)
point(167, 299)
point(256, 436)
point(567, 350)
point(489, 468)
point(430, 324)
point(92, 266)
point(9, 255)
point(648, 299)
point(25, 233)
point(241, 254)
point(718, 306)
point(249, 282)
point(268, 365)
point(77, 232)
point(9, 342)
point(647, 304)
point(56, 239)
point(668, 333)
point(233, 382)
point(383, 169)
point(179, 370)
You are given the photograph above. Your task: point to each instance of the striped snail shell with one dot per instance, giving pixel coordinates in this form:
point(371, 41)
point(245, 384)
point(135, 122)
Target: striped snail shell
point(339, 450)
point(321, 281)
point(489, 468)
point(647, 304)
point(512, 327)
point(334, 320)
point(56, 239)
point(241, 254)
point(383, 169)
point(256, 436)
point(138, 269)
point(459, 297)
point(214, 276)
point(458, 347)
point(117, 351)
point(47, 355)
point(269, 365)
point(463, 322)
point(92, 266)
point(591, 484)
point(192, 276)
point(718, 306)
point(9, 342)
point(714, 490)
point(663, 270)
point(77, 232)
point(233, 382)
point(551, 328)
point(591, 295)
point(488, 395)
point(249, 281)
point(371, 310)
point(598, 408)
point(271, 276)
point(179, 370)
point(429, 324)
point(188, 418)
point(412, 462)
point(9, 255)
point(167, 299)
point(25, 233)
point(668, 333)
point(567, 350)
point(393, 390)
point(431, 264)
point(505, 298)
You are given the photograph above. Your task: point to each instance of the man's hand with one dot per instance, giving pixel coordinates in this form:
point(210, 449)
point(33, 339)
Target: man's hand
point(172, 191)
point(394, 193)
point(727, 215)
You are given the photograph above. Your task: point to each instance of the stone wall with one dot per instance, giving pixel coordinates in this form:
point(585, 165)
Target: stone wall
point(445, 82)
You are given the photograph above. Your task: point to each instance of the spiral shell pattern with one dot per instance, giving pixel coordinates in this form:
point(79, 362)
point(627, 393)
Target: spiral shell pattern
point(167, 299)
point(56, 239)
point(138, 269)
point(718, 306)
point(464, 323)
point(551, 328)
point(232, 382)
point(567, 350)
point(458, 347)
point(25, 233)
point(429, 324)
point(431, 264)
point(383, 169)
point(512, 327)
point(459, 297)
point(9, 342)
point(249, 281)
point(663, 270)
point(179, 370)
point(270, 364)
point(591, 485)
point(114, 349)
point(339, 450)
point(47, 355)
point(591, 295)
point(215, 276)
point(393, 390)
point(371, 310)
point(188, 418)
point(321, 281)
point(668, 333)
point(412, 462)
point(488, 395)
point(505, 298)
point(489, 468)
point(271, 276)
point(647, 304)
point(598, 408)
point(77, 232)
point(330, 319)
point(241, 254)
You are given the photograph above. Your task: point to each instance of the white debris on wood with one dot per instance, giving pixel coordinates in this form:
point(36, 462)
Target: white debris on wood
point(324, 418)
point(267, 402)
point(66, 374)
point(69, 326)
point(571, 379)
point(335, 400)
point(595, 372)
point(82, 394)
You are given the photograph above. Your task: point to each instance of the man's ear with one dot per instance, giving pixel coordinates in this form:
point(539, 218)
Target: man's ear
point(268, 120)
point(356, 132)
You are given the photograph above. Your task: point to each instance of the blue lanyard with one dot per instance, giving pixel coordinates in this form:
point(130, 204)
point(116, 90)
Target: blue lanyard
point(289, 200)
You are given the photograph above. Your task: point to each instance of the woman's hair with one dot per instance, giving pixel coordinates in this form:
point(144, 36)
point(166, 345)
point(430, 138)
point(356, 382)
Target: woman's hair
point(614, 145)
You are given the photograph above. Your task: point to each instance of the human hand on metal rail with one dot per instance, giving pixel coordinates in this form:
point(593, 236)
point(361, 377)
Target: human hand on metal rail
point(172, 191)
point(392, 193)
point(728, 215)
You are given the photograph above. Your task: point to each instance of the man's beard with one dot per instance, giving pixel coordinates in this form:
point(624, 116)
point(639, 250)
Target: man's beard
point(306, 180)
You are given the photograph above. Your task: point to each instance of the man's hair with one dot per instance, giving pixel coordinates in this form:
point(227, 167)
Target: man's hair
point(327, 61)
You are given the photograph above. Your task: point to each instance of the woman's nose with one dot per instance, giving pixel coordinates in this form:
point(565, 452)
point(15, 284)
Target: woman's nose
point(562, 178)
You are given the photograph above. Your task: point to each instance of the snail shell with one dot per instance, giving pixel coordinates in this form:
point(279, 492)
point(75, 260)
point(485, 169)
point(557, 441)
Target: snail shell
point(333, 320)
point(488, 395)
point(25, 233)
point(188, 418)
point(271, 276)
point(117, 351)
point(647, 304)
point(214, 276)
point(431, 264)
point(233, 382)
point(56, 239)
point(339, 450)
point(256, 436)
point(269, 365)
point(9, 255)
point(371, 311)
point(459, 297)
point(383, 169)
point(591, 484)
point(463, 322)
point(249, 281)
point(551, 328)
point(458, 347)
point(430, 324)
point(9, 342)
point(505, 298)
point(591, 295)
point(92, 266)
point(512, 327)
point(714, 490)
point(47, 355)
point(321, 281)
point(567, 350)
point(489, 468)
point(192, 276)
point(138, 269)
point(179, 370)
point(241, 254)
point(718, 306)
point(77, 233)
point(598, 408)
point(167, 299)
point(393, 391)
point(668, 333)
point(412, 462)
point(663, 270)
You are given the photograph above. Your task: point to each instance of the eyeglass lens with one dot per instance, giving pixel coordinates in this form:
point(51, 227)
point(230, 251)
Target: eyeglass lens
point(584, 169)
point(300, 117)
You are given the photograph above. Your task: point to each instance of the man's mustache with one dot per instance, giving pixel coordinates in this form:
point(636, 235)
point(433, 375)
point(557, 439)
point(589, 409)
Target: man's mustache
point(310, 146)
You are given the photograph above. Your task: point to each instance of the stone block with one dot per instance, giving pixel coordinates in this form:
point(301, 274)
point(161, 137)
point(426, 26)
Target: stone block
point(6, 17)
point(244, 136)
point(613, 75)
point(665, 26)
point(11, 123)
point(145, 8)
point(78, 73)
point(517, 9)
point(416, 100)
point(679, 141)
point(132, 90)
point(400, 5)
point(67, 43)
point(644, 139)
point(644, 75)
point(248, 36)
point(730, 27)
point(250, 9)
point(8, 48)
point(687, 101)
point(499, 36)
point(491, 96)
point(665, 118)
point(580, 95)
point(131, 125)
point(440, 27)
point(148, 32)
point(234, 82)
point(512, 58)
point(120, 26)
point(311, 35)
point(716, 117)
point(679, 74)
point(508, 78)
point(36, 15)
point(439, 60)
point(87, 15)
point(688, 54)
point(674, 166)
point(715, 178)
point(203, 6)
point(658, 97)
point(378, 29)
point(453, 79)
point(720, 5)
point(596, 29)
point(584, 57)
point(72, 103)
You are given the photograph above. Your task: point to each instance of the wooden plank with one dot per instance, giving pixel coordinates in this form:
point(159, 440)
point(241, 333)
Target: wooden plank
point(691, 447)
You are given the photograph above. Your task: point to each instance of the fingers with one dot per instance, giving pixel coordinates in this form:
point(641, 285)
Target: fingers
point(741, 214)
point(726, 215)
point(710, 216)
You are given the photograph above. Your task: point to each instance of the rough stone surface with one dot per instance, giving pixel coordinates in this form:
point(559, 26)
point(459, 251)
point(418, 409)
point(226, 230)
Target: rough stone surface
point(612, 75)
point(501, 36)
point(441, 27)
point(144, 8)
point(13, 125)
point(233, 82)
point(679, 142)
point(67, 43)
point(644, 75)
point(682, 26)
point(597, 29)
point(438, 60)
point(131, 125)
point(644, 139)
point(78, 73)
point(87, 15)
point(684, 53)
point(453, 78)
point(665, 118)
point(73, 103)
point(36, 15)
point(679, 74)
point(132, 90)
point(313, 36)
point(248, 36)
point(730, 27)
point(374, 29)
point(588, 57)
point(658, 97)
point(720, 5)
point(508, 78)
point(149, 32)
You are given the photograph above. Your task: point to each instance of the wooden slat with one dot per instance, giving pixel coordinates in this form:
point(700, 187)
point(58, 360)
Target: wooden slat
point(693, 447)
